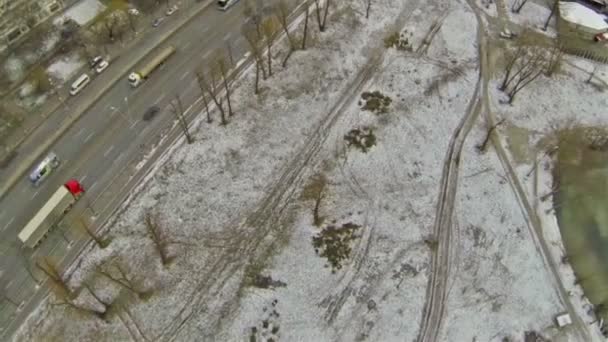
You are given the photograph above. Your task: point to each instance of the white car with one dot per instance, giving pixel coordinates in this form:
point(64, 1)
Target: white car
point(101, 66)
point(506, 34)
point(171, 10)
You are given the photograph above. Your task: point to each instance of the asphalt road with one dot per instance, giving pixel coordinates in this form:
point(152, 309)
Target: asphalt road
point(109, 134)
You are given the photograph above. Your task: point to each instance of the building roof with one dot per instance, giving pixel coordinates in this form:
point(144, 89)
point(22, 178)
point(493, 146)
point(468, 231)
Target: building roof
point(581, 15)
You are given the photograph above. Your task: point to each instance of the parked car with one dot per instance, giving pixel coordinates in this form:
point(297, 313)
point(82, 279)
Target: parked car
point(157, 22)
point(171, 10)
point(506, 34)
point(601, 37)
point(133, 11)
point(101, 66)
point(94, 61)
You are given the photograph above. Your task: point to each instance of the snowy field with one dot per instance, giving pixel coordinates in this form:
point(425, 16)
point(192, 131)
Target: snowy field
point(280, 230)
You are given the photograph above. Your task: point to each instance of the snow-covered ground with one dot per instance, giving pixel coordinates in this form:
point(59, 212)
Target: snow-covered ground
point(82, 12)
point(533, 15)
point(65, 67)
point(544, 106)
point(235, 206)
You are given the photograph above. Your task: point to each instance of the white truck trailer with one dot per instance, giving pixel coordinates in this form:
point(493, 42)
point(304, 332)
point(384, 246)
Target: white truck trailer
point(138, 76)
point(50, 214)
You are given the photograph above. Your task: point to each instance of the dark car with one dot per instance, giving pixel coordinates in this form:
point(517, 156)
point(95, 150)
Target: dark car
point(93, 62)
point(157, 22)
point(151, 113)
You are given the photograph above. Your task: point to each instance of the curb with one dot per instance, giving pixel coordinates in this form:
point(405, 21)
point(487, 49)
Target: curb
point(26, 164)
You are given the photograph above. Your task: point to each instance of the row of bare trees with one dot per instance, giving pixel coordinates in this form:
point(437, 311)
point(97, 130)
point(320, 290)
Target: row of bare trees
point(90, 297)
point(263, 31)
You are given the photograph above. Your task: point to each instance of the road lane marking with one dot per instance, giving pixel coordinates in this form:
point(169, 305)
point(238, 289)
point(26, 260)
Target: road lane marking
point(226, 37)
point(184, 75)
point(92, 186)
point(8, 223)
point(159, 99)
point(80, 132)
point(35, 194)
point(113, 111)
point(186, 45)
point(107, 152)
point(89, 137)
point(133, 124)
point(206, 54)
point(120, 156)
point(83, 178)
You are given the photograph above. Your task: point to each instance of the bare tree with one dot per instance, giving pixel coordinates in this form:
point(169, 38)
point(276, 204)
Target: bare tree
point(254, 45)
point(178, 111)
point(518, 5)
point(553, 9)
point(110, 24)
point(206, 103)
point(269, 28)
point(116, 273)
point(306, 15)
point(512, 60)
point(85, 227)
point(591, 74)
point(315, 190)
point(529, 68)
point(132, 20)
point(281, 11)
point(57, 283)
point(554, 60)
point(209, 85)
point(222, 67)
point(158, 237)
point(321, 20)
point(40, 79)
point(107, 305)
point(368, 8)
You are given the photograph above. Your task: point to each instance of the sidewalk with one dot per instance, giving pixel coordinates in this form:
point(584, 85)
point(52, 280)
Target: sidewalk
point(43, 131)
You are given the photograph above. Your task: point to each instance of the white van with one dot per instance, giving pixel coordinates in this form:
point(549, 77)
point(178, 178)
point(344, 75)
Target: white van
point(80, 83)
point(224, 4)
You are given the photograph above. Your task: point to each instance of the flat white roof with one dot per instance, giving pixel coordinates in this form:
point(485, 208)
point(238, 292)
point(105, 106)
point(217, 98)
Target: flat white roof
point(581, 15)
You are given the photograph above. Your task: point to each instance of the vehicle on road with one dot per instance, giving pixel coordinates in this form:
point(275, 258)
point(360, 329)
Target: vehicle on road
point(51, 213)
point(101, 66)
point(94, 61)
point(171, 10)
point(133, 11)
point(79, 84)
point(151, 113)
point(225, 4)
point(157, 21)
point(44, 168)
point(137, 77)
